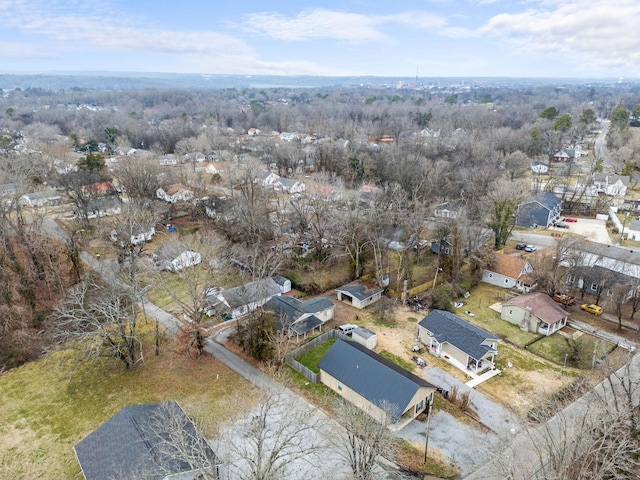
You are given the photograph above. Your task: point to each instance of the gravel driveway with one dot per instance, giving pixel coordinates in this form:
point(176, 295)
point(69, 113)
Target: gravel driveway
point(467, 447)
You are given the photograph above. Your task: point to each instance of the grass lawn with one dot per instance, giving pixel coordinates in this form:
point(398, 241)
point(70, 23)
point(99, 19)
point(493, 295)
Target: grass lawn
point(481, 298)
point(580, 351)
point(313, 357)
point(49, 405)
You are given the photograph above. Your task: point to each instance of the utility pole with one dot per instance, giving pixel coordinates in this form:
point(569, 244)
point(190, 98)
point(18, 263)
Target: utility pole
point(426, 442)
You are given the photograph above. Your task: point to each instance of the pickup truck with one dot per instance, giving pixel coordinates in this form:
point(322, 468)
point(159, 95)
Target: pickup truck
point(564, 299)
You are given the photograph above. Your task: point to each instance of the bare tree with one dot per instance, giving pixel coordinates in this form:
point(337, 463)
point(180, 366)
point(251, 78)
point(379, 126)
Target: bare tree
point(280, 438)
point(364, 438)
point(101, 321)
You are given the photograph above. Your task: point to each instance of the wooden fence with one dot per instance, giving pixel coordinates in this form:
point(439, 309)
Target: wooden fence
point(290, 358)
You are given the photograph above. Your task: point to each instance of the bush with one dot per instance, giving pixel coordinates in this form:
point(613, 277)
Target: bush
point(442, 297)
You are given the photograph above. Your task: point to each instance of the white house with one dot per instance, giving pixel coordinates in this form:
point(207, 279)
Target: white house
point(611, 184)
point(239, 301)
point(289, 185)
point(534, 312)
point(168, 159)
point(136, 238)
point(175, 193)
point(174, 256)
point(295, 317)
point(266, 178)
point(45, 198)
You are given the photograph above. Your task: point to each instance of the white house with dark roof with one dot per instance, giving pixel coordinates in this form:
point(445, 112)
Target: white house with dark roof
point(299, 318)
point(374, 384)
point(239, 301)
point(131, 444)
point(462, 344)
point(359, 295)
point(289, 185)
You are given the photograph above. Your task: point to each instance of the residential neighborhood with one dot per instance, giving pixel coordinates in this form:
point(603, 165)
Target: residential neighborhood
point(450, 280)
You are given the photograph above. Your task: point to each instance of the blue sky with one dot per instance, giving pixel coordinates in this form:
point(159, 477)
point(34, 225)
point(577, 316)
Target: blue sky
point(528, 38)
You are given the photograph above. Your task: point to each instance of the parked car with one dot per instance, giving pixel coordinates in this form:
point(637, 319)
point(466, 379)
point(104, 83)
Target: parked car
point(571, 220)
point(592, 308)
point(530, 248)
point(347, 328)
point(459, 304)
point(521, 246)
point(564, 299)
point(561, 225)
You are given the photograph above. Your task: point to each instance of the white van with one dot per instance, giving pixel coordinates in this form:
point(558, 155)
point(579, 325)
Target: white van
point(347, 328)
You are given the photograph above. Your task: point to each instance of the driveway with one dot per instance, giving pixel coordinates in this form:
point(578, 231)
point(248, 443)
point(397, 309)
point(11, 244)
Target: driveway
point(467, 447)
point(591, 229)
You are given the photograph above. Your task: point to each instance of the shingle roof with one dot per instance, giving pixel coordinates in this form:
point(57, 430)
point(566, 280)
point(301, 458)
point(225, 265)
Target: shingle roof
point(363, 332)
point(370, 375)
point(306, 325)
point(359, 291)
point(508, 266)
point(128, 445)
point(546, 199)
point(541, 305)
point(251, 292)
point(607, 251)
point(449, 328)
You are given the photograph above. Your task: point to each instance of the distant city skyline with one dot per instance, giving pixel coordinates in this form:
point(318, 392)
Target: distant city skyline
point(437, 38)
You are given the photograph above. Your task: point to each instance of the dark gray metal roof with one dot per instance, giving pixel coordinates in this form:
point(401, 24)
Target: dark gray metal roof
point(450, 328)
point(375, 378)
point(602, 250)
point(359, 291)
point(129, 445)
point(306, 325)
point(546, 199)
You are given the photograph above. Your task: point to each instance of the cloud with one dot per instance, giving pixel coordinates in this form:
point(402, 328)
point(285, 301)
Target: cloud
point(598, 33)
point(87, 25)
point(342, 26)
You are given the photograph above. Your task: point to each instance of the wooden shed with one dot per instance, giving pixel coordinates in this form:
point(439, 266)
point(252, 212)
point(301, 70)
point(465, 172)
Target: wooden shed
point(365, 337)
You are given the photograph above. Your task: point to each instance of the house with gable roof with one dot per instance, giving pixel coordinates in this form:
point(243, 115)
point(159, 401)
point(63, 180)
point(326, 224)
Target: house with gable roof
point(374, 384)
point(539, 211)
point(295, 317)
point(534, 312)
point(131, 444)
point(469, 348)
point(239, 301)
point(509, 272)
point(174, 256)
point(289, 185)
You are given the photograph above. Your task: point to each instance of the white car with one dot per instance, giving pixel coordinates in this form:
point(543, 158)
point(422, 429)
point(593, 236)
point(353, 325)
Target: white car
point(530, 248)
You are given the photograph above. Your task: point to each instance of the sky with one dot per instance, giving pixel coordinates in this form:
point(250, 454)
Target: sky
point(404, 38)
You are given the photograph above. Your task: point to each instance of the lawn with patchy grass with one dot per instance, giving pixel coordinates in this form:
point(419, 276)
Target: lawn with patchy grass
point(49, 405)
point(580, 350)
point(401, 362)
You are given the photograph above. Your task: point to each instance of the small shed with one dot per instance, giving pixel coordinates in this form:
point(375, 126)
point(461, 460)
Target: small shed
point(283, 282)
point(365, 337)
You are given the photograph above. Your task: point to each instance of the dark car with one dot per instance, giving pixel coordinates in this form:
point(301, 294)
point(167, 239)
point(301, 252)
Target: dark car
point(521, 246)
point(561, 225)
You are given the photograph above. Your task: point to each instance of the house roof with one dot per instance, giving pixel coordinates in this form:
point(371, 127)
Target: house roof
point(306, 325)
point(360, 291)
point(449, 328)
point(250, 292)
point(542, 306)
point(292, 308)
point(280, 280)
point(508, 266)
point(546, 199)
point(169, 251)
point(129, 445)
point(607, 251)
point(611, 178)
point(373, 377)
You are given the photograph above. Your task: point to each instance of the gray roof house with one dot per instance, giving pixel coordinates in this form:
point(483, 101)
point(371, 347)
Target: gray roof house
point(238, 301)
point(299, 318)
point(462, 344)
point(539, 211)
point(132, 444)
point(359, 295)
point(174, 256)
point(374, 384)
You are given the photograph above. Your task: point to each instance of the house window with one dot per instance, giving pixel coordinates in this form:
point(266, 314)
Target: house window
point(491, 275)
point(510, 312)
point(446, 251)
point(571, 279)
point(339, 386)
point(609, 293)
point(506, 280)
point(419, 406)
point(594, 287)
